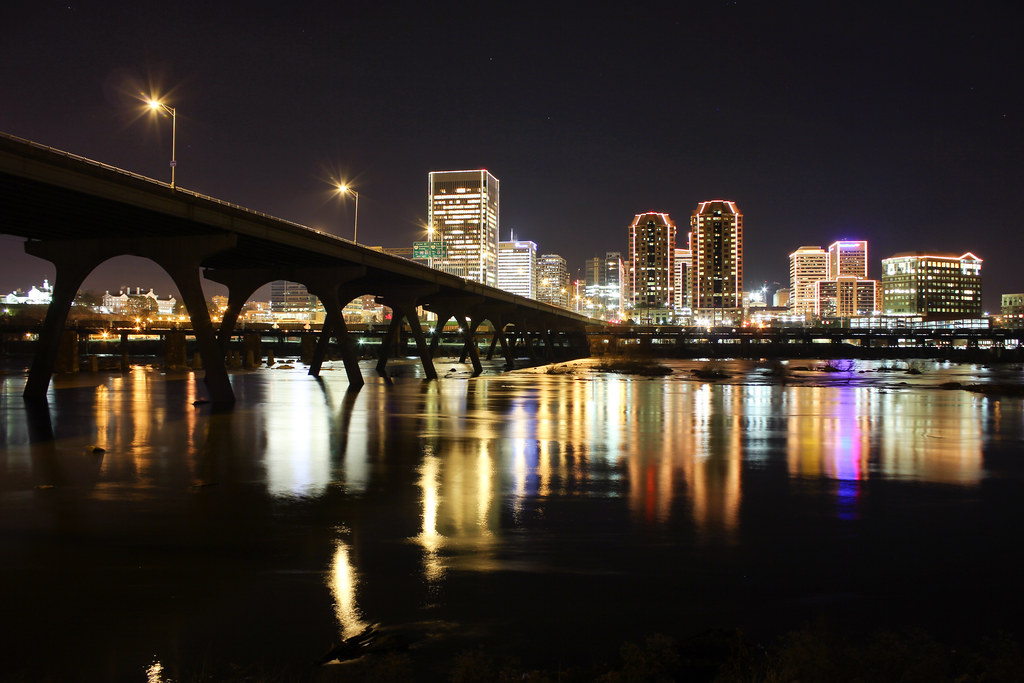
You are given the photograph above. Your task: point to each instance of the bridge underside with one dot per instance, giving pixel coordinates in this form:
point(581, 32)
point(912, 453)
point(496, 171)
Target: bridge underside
point(77, 214)
point(184, 258)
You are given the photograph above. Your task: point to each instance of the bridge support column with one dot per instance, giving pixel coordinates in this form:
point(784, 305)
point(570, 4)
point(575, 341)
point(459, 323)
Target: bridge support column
point(506, 349)
point(469, 334)
point(67, 352)
point(387, 342)
point(334, 301)
point(252, 351)
point(241, 285)
point(435, 340)
point(549, 345)
point(405, 308)
point(72, 270)
point(426, 360)
point(174, 351)
point(180, 257)
point(493, 344)
point(499, 337)
point(184, 270)
point(403, 299)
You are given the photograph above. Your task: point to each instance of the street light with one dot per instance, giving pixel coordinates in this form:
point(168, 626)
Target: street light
point(345, 189)
point(157, 105)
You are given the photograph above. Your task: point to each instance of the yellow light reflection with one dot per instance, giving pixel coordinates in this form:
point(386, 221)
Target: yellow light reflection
point(344, 582)
point(298, 445)
point(934, 437)
point(430, 539)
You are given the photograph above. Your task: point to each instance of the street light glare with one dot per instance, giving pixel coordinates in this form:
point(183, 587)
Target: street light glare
point(345, 189)
point(158, 106)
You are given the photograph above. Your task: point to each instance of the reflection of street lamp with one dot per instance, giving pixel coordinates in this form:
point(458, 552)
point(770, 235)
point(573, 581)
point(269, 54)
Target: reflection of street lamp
point(345, 189)
point(157, 105)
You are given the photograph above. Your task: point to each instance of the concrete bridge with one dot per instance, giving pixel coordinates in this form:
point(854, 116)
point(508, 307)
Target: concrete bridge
point(78, 213)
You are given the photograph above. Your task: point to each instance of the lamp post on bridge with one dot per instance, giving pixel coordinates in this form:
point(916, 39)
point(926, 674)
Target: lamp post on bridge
point(157, 105)
point(345, 189)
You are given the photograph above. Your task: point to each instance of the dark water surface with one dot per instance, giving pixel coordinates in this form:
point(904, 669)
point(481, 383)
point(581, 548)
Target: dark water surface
point(548, 516)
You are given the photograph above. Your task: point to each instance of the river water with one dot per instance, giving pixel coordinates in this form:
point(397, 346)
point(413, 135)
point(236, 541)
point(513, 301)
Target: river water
point(547, 516)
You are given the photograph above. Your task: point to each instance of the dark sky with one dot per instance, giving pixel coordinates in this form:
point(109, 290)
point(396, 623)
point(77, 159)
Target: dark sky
point(897, 123)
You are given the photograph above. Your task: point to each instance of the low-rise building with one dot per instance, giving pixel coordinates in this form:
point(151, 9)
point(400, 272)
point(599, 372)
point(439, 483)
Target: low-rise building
point(935, 285)
point(1012, 310)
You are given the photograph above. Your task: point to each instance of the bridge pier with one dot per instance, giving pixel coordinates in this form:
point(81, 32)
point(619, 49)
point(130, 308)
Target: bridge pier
point(324, 283)
point(469, 334)
point(407, 310)
point(403, 300)
point(506, 348)
point(75, 259)
point(71, 273)
point(175, 355)
point(67, 352)
point(443, 316)
point(334, 301)
point(465, 310)
point(183, 265)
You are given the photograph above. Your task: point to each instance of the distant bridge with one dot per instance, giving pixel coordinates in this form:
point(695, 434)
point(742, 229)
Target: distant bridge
point(757, 342)
point(78, 213)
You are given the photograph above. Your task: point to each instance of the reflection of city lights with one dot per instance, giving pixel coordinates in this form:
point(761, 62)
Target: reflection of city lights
point(155, 673)
point(429, 538)
point(344, 582)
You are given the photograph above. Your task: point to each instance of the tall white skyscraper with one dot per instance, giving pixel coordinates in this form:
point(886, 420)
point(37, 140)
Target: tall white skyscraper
point(553, 280)
point(807, 265)
point(603, 295)
point(517, 267)
point(462, 213)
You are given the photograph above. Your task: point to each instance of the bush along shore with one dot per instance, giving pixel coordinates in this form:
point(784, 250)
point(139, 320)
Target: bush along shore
point(815, 652)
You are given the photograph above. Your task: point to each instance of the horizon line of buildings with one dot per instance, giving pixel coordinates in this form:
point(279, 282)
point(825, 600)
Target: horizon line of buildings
point(661, 277)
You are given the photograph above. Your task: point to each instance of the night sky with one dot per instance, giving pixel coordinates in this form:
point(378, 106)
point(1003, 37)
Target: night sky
point(899, 124)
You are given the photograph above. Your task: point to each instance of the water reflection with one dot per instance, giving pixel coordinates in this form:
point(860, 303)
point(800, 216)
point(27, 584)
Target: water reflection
point(434, 482)
point(935, 437)
point(344, 582)
point(664, 445)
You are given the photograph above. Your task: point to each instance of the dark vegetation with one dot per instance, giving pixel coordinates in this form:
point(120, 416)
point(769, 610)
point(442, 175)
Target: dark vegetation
point(814, 654)
point(646, 367)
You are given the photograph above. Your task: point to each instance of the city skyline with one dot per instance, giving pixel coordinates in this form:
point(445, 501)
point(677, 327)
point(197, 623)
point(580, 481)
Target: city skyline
point(814, 120)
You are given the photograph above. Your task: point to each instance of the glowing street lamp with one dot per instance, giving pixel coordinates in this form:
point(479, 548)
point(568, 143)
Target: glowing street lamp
point(158, 106)
point(345, 189)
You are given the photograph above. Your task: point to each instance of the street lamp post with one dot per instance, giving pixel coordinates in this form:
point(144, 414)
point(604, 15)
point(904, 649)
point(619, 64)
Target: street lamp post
point(157, 105)
point(345, 189)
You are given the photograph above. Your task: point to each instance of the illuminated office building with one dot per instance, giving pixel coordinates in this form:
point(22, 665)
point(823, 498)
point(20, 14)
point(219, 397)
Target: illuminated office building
point(845, 296)
point(462, 209)
point(716, 244)
point(1012, 310)
point(807, 266)
point(682, 280)
point(848, 258)
point(652, 244)
point(517, 267)
point(593, 276)
point(832, 283)
point(553, 280)
point(291, 301)
point(935, 285)
point(603, 276)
